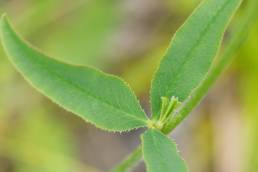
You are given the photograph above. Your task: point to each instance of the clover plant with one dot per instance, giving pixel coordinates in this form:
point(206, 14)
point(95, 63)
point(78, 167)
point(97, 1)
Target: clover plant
point(183, 77)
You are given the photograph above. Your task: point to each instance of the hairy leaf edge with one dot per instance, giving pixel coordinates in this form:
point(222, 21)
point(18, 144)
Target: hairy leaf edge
point(4, 18)
point(185, 102)
point(172, 140)
point(171, 42)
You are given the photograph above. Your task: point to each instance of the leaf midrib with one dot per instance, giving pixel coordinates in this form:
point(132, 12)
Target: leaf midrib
point(201, 36)
point(156, 145)
point(93, 96)
point(85, 92)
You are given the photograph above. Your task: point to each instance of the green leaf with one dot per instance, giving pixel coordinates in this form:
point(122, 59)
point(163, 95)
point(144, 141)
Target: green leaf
point(191, 52)
point(239, 31)
point(101, 99)
point(160, 153)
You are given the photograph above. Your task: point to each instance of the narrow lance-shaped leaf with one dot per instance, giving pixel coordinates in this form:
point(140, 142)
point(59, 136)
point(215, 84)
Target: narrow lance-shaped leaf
point(191, 52)
point(101, 99)
point(160, 153)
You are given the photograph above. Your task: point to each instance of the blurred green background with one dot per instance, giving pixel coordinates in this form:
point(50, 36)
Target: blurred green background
point(126, 38)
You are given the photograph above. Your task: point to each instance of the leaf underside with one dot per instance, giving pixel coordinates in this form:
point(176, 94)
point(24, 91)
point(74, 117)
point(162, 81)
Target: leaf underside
point(191, 52)
point(160, 153)
point(103, 100)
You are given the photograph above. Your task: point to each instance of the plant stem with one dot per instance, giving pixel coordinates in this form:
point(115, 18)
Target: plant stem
point(130, 161)
point(236, 41)
point(242, 25)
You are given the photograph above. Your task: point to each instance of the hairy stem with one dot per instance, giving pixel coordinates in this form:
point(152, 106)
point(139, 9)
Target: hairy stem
point(242, 27)
point(130, 161)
